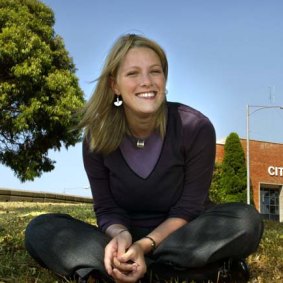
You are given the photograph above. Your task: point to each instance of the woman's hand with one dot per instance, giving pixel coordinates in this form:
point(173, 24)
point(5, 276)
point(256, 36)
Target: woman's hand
point(130, 266)
point(116, 247)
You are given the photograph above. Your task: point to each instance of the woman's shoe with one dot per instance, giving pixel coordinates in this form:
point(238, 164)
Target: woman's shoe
point(233, 271)
point(240, 271)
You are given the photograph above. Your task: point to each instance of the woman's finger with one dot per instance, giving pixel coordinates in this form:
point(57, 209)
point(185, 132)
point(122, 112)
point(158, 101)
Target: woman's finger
point(109, 253)
point(130, 277)
point(124, 267)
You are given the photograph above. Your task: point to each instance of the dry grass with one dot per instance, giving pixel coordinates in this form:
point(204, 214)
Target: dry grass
point(17, 266)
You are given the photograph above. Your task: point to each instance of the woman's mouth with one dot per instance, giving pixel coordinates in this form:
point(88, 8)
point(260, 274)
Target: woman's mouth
point(147, 94)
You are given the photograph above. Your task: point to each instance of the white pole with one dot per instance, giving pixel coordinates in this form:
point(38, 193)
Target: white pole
point(258, 107)
point(248, 155)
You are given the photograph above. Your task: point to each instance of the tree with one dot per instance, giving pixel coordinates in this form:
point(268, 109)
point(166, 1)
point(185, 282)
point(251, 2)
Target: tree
point(39, 91)
point(233, 176)
point(215, 192)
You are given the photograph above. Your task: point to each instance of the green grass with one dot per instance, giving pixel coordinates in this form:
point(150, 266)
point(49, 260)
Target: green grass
point(17, 266)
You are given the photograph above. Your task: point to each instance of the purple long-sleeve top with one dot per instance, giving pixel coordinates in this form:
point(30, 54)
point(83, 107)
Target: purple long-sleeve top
point(176, 185)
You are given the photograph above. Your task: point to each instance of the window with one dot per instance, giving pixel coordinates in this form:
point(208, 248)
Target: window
point(269, 203)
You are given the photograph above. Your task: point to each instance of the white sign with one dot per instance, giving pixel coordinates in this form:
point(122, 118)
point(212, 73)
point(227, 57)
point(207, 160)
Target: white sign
point(275, 171)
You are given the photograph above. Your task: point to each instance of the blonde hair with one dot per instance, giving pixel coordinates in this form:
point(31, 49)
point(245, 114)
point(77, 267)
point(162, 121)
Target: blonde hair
point(105, 125)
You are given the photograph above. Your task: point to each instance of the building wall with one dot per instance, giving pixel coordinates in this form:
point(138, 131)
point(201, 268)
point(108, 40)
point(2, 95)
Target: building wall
point(266, 165)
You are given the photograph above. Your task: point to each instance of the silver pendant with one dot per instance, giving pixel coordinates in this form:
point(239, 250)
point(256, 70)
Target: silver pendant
point(140, 143)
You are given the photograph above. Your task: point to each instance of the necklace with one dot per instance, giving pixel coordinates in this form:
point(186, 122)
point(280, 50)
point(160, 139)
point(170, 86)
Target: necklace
point(140, 143)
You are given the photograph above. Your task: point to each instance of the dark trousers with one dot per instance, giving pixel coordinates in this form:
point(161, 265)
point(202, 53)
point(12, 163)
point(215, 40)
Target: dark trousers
point(66, 245)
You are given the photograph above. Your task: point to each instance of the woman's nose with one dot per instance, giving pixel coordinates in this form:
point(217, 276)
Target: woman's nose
point(145, 80)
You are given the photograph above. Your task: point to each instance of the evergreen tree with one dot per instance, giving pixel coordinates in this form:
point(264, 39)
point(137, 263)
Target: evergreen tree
point(233, 177)
point(39, 92)
point(215, 188)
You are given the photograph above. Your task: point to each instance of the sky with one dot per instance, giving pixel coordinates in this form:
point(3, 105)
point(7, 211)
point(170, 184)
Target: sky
point(223, 55)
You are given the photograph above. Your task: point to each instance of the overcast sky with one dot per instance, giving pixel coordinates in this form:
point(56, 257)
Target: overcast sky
point(223, 55)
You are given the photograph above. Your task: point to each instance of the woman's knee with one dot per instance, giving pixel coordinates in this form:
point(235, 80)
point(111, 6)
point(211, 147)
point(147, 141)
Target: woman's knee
point(240, 217)
point(38, 231)
point(42, 224)
point(48, 217)
point(249, 222)
point(250, 218)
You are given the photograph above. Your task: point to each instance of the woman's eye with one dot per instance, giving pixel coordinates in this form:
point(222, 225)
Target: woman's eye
point(131, 74)
point(157, 71)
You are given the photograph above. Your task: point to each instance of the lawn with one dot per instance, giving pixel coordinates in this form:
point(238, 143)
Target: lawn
point(16, 265)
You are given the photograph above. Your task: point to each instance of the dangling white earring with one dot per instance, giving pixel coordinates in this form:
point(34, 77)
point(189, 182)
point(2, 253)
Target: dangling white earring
point(118, 102)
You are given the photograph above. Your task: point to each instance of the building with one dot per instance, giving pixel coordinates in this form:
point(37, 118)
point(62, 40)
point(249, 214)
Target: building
point(266, 173)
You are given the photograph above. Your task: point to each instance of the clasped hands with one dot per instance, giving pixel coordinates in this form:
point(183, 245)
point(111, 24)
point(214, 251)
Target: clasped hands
point(124, 260)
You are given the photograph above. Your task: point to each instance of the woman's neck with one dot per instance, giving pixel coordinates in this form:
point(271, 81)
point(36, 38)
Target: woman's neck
point(141, 128)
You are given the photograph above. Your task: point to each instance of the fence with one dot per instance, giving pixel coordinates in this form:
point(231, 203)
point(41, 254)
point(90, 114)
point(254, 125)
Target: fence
point(17, 195)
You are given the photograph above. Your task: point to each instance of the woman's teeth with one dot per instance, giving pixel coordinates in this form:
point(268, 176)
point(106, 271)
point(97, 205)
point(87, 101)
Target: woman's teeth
point(146, 94)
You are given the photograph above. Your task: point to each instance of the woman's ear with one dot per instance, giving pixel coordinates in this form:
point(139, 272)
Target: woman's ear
point(113, 85)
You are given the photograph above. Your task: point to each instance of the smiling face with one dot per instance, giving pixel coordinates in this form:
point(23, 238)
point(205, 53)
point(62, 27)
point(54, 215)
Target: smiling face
point(141, 83)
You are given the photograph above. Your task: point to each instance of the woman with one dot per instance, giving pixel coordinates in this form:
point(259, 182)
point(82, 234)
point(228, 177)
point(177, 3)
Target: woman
point(149, 163)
